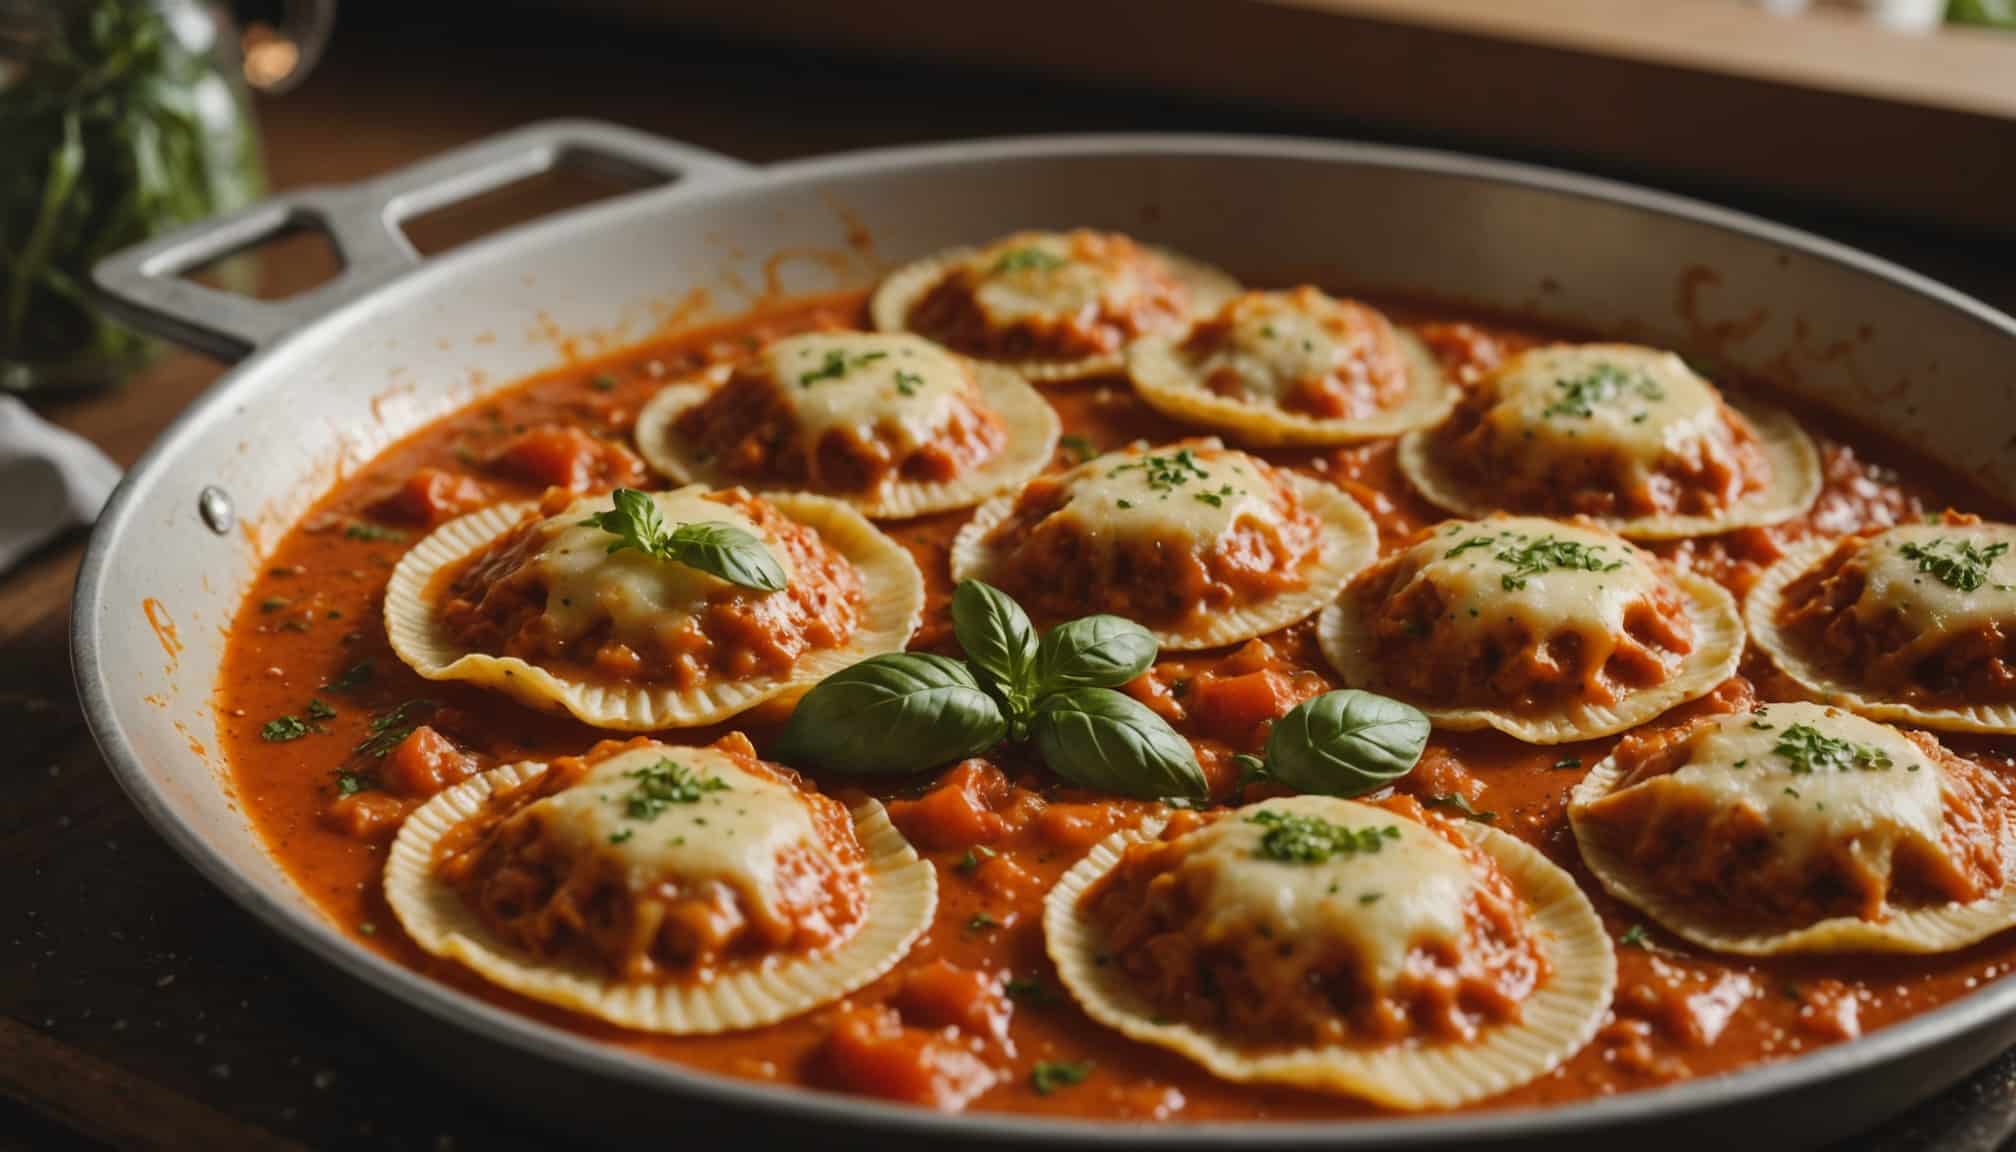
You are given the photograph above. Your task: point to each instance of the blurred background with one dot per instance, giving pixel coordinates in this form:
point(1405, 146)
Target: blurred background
point(142, 1008)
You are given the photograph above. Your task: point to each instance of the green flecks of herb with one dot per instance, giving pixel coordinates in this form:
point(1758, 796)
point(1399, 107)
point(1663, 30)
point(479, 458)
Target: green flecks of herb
point(1166, 473)
point(351, 678)
point(602, 382)
point(836, 365)
point(908, 382)
point(1633, 937)
point(1076, 449)
point(1958, 564)
point(716, 548)
point(621, 835)
point(317, 710)
point(1024, 259)
point(1294, 839)
point(1460, 803)
point(1531, 557)
point(1369, 897)
point(349, 784)
point(274, 604)
point(366, 530)
point(661, 785)
point(1606, 382)
point(970, 862)
point(981, 922)
point(282, 729)
point(390, 727)
point(1050, 1075)
point(368, 928)
point(1029, 990)
point(1567, 762)
point(1215, 499)
point(1124, 504)
point(1806, 749)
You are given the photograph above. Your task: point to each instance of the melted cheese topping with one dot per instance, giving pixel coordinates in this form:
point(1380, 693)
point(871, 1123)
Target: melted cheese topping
point(1277, 341)
point(1811, 808)
point(1936, 610)
point(1170, 496)
point(1042, 276)
point(1422, 884)
point(900, 388)
point(637, 595)
point(733, 835)
point(1641, 405)
point(1476, 568)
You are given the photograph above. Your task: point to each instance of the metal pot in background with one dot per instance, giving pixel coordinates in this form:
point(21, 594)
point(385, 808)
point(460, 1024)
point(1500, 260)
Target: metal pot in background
point(121, 120)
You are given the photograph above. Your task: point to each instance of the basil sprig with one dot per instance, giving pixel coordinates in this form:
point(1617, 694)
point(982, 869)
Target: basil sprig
point(713, 547)
point(1342, 743)
point(900, 712)
point(909, 712)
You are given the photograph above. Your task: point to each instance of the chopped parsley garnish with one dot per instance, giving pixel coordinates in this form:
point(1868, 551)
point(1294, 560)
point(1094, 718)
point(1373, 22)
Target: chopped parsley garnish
point(1029, 991)
point(281, 729)
point(1297, 839)
point(317, 710)
point(1529, 557)
point(366, 530)
point(389, 728)
point(907, 382)
point(1604, 383)
point(1633, 937)
point(274, 604)
point(836, 365)
point(1807, 750)
point(661, 785)
point(349, 784)
point(602, 382)
point(1568, 762)
point(970, 862)
point(1215, 499)
point(1077, 449)
point(621, 834)
point(1461, 804)
point(981, 922)
point(1369, 897)
point(1166, 473)
point(1955, 563)
point(351, 678)
point(711, 546)
point(1050, 1075)
point(1020, 259)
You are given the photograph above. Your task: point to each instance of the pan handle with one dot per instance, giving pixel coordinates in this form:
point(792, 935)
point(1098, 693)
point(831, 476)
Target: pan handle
point(142, 286)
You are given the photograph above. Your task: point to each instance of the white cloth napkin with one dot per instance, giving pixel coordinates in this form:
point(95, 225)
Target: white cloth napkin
point(53, 480)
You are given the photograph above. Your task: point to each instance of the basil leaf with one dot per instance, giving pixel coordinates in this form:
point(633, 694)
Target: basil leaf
point(726, 551)
point(998, 639)
point(1099, 739)
point(1345, 743)
point(894, 714)
point(1093, 652)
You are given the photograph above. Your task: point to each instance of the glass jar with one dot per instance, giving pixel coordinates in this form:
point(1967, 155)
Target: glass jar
point(119, 119)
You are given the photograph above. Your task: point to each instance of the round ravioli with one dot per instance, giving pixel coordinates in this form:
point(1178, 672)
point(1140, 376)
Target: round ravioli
point(1201, 545)
point(1628, 436)
point(1339, 946)
point(890, 423)
point(1293, 368)
point(676, 890)
point(1052, 305)
point(544, 604)
point(1915, 623)
point(1550, 631)
point(1800, 828)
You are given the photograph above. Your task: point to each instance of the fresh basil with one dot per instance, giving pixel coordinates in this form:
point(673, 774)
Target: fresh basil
point(1345, 743)
point(894, 714)
point(999, 641)
point(1093, 652)
point(716, 548)
point(1099, 739)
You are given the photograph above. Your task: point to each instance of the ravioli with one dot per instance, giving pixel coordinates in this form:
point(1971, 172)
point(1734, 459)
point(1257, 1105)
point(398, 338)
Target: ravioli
point(1200, 544)
point(530, 600)
point(1915, 623)
point(675, 890)
point(890, 423)
point(1360, 949)
point(1052, 305)
point(1800, 828)
point(1548, 630)
point(1295, 367)
point(1627, 435)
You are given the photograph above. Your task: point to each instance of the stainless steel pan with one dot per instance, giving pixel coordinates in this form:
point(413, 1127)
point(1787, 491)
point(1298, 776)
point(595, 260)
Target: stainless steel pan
point(331, 377)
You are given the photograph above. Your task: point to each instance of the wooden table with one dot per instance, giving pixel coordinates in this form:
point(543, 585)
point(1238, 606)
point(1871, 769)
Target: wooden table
point(144, 1009)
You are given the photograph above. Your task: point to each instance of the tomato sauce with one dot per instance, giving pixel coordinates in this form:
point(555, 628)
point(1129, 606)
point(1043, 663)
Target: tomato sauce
point(967, 1016)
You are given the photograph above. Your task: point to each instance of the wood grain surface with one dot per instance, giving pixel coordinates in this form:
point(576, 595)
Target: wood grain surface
point(146, 1011)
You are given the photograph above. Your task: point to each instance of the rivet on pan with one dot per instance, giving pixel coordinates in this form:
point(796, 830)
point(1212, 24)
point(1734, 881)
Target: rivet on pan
point(215, 507)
